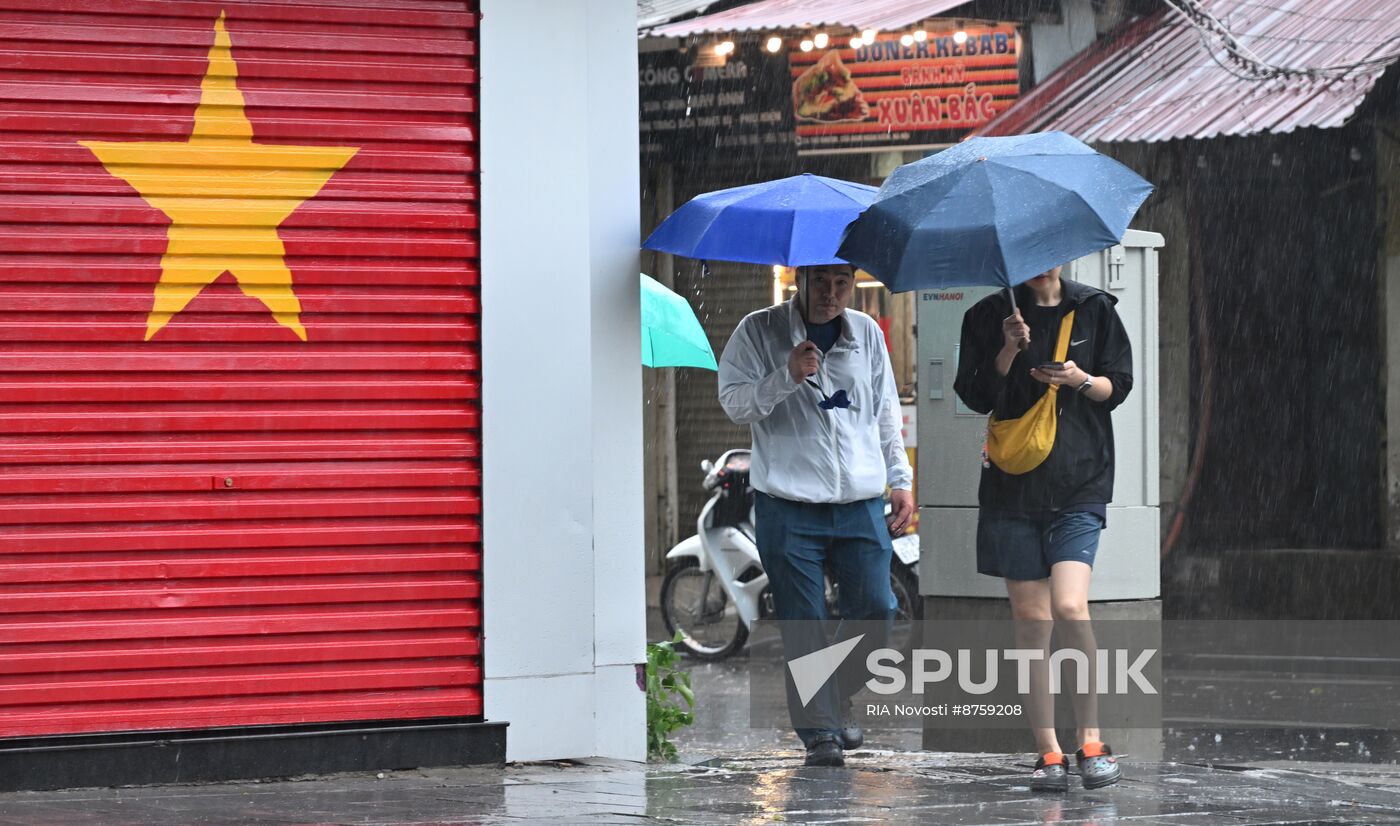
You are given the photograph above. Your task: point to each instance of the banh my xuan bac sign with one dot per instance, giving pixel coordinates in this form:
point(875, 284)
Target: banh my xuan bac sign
point(887, 94)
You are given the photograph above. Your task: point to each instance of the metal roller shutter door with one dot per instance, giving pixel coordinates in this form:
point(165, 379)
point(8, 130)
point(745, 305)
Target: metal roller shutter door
point(260, 506)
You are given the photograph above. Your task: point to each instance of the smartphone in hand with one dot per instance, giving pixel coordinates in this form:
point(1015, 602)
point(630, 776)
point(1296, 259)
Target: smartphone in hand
point(1052, 365)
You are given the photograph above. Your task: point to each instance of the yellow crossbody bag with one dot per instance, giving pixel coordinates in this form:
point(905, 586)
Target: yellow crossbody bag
point(1018, 446)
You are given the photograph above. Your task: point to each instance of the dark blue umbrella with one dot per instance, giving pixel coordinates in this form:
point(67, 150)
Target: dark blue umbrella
point(796, 222)
point(993, 212)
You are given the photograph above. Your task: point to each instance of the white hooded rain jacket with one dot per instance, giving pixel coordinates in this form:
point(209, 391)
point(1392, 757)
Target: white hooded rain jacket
point(802, 452)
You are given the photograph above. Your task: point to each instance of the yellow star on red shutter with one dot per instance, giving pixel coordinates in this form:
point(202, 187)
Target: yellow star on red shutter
point(225, 196)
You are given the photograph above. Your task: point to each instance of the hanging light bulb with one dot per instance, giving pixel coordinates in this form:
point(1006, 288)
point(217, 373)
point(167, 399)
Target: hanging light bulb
point(921, 35)
point(774, 44)
point(805, 45)
point(868, 35)
point(906, 40)
point(724, 48)
point(821, 40)
point(959, 37)
point(856, 42)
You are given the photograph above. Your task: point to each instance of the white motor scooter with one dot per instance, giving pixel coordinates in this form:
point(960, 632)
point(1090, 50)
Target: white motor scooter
point(715, 587)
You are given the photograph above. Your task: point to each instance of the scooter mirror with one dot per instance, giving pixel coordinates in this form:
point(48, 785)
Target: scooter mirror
point(706, 465)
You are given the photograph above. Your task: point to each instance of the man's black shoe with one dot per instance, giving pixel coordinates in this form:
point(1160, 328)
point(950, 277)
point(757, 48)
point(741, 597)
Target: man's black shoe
point(824, 750)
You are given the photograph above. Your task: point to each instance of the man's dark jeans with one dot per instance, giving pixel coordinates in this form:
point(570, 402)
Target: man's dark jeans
point(795, 541)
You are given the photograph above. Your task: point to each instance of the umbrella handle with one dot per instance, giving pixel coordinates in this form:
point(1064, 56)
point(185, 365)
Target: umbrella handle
point(1022, 344)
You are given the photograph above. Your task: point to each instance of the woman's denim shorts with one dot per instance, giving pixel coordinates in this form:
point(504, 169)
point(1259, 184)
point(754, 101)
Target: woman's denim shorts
point(1022, 547)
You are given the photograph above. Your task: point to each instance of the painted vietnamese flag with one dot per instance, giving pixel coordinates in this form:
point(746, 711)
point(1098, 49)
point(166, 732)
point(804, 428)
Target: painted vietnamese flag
point(239, 311)
point(225, 196)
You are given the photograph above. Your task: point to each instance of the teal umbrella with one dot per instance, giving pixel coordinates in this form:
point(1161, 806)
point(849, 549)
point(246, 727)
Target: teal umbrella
point(671, 334)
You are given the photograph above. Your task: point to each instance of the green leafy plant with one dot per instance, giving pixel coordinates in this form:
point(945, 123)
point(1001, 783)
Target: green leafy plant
point(667, 687)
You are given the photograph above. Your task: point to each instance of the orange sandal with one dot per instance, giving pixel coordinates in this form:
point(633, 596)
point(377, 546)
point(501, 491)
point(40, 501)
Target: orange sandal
point(1097, 765)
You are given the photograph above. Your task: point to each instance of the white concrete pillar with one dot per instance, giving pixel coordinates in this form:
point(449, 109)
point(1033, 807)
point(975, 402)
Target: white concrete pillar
point(562, 434)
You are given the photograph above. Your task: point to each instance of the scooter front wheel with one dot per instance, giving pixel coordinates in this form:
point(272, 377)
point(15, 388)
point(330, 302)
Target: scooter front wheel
point(694, 603)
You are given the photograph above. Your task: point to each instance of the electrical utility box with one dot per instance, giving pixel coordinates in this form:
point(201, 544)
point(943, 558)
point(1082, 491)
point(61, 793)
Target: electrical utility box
point(951, 436)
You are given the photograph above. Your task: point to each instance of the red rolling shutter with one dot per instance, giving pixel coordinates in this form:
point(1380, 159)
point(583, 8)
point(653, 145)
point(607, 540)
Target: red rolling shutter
point(205, 519)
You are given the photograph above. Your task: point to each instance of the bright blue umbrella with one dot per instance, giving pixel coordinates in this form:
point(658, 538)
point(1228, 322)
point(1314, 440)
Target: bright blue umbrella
point(795, 222)
point(993, 212)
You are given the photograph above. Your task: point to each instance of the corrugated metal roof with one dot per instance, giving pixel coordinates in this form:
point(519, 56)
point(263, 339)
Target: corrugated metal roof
point(655, 12)
point(802, 14)
point(1155, 80)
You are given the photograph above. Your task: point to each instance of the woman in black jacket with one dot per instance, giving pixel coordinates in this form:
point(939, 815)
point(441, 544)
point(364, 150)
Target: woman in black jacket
point(1039, 530)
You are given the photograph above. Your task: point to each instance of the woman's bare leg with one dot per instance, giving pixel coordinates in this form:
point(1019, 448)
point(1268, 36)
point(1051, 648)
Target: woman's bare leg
point(1034, 621)
point(1069, 605)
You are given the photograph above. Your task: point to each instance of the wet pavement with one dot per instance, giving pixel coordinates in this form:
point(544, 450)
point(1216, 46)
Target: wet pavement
point(755, 788)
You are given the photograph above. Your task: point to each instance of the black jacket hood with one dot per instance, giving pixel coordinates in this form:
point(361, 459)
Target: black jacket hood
point(1073, 294)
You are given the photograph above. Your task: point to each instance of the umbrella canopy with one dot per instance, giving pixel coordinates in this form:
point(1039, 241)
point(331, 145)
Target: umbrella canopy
point(993, 212)
point(796, 222)
point(671, 334)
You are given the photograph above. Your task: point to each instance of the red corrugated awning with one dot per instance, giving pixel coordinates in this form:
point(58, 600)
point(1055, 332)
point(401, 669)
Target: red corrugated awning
point(882, 15)
point(1156, 79)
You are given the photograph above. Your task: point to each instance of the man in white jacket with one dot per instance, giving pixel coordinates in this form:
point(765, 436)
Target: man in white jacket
point(813, 380)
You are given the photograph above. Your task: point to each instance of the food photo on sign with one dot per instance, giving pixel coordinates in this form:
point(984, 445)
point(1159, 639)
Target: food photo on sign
point(826, 93)
point(888, 90)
